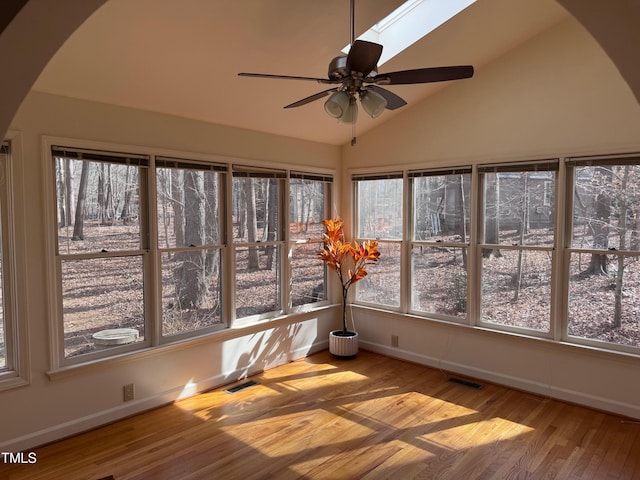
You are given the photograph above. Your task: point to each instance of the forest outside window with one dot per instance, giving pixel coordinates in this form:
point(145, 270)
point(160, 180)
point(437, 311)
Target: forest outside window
point(213, 253)
point(190, 218)
point(102, 245)
point(440, 242)
point(258, 241)
point(490, 235)
point(517, 242)
point(309, 197)
point(604, 266)
point(379, 216)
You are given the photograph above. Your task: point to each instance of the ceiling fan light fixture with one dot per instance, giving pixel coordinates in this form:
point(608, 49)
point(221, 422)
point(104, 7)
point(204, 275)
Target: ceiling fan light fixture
point(373, 103)
point(337, 104)
point(351, 113)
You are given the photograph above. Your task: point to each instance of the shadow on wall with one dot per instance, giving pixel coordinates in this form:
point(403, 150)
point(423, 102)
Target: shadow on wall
point(269, 349)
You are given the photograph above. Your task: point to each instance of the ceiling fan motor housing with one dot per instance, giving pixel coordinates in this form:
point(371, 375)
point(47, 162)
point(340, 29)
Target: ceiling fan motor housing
point(338, 68)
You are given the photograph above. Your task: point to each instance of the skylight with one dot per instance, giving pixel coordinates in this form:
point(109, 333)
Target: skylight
point(409, 23)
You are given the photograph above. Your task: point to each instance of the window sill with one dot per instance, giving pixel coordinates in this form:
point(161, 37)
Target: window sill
point(10, 380)
point(596, 351)
point(213, 337)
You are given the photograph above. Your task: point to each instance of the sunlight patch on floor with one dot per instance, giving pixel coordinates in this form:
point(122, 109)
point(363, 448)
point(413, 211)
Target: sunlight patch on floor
point(321, 427)
point(491, 431)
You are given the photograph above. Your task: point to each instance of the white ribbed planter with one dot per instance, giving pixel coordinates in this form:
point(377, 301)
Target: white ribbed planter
point(342, 346)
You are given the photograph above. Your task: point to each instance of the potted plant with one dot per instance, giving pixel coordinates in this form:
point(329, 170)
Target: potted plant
point(349, 261)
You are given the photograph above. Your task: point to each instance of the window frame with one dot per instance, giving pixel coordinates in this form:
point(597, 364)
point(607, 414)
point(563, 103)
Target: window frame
point(292, 243)
point(59, 358)
point(243, 171)
point(544, 165)
point(560, 248)
point(358, 236)
point(571, 163)
point(412, 242)
point(168, 162)
point(16, 372)
point(61, 366)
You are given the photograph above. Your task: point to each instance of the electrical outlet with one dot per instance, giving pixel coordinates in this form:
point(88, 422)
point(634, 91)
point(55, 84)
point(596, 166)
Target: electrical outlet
point(394, 340)
point(129, 392)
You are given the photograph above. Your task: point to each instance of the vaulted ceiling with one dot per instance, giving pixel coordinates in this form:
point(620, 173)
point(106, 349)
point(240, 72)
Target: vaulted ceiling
point(182, 57)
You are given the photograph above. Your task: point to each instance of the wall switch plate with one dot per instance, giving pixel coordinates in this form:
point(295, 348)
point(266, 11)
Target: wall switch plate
point(128, 392)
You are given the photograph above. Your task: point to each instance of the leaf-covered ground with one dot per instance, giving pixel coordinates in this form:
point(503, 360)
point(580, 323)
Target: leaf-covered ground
point(105, 294)
point(108, 294)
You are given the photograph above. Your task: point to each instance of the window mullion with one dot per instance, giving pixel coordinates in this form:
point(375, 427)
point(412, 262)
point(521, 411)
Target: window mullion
point(285, 265)
point(151, 261)
point(229, 260)
point(474, 259)
point(405, 248)
point(560, 284)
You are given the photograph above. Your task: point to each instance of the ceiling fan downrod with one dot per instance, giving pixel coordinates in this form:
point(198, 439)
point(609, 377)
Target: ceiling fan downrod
point(352, 16)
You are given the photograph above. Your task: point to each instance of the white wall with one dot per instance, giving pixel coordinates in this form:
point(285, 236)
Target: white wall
point(556, 95)
point(92, 395)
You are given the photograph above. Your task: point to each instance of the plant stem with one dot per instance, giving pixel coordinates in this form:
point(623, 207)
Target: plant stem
point(345, 291)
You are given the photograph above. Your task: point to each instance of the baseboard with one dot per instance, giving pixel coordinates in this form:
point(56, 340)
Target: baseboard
point(543, 389)
point(134, 407)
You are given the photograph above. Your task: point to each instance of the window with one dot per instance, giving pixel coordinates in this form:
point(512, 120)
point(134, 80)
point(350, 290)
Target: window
point(440, 241)
point(14, 349)
point(213, 250)
point(7, 343)
point(309, 197)
point(258, 241)
point(507, 247)
point(604, 266)
point(379, 216)
point(517, 241)
point(190, 212)
point(102, 245)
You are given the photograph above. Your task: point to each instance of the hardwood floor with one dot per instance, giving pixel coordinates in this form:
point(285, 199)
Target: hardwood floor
point(367, 418)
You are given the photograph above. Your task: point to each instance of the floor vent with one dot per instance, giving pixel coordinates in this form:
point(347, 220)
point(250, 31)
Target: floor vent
point(465, 383)
point(241, 386)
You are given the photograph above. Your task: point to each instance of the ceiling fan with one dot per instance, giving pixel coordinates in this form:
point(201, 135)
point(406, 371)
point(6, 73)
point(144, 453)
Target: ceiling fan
point(355, 76)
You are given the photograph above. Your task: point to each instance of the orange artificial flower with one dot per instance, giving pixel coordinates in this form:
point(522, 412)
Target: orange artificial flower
point(340, 255)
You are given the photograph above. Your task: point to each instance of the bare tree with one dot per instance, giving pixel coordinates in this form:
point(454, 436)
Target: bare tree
point(252, 223)
point(177, 201)
point(78, 227)
point(599, 262)
point(212, 223)
point(105, 195)
point(125, 213)
point(622, 226)
point(462, 222)
point(492, 214)
point(68, 191)
point(193, 286)
point(272, 220)
point(522, 229)
point(62, 211)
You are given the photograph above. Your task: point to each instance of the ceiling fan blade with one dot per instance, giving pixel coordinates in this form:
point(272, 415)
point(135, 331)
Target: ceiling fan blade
point(311, 98)
point(424, 75)
point(286, 77)
point(393, 100)
point(363, 57)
